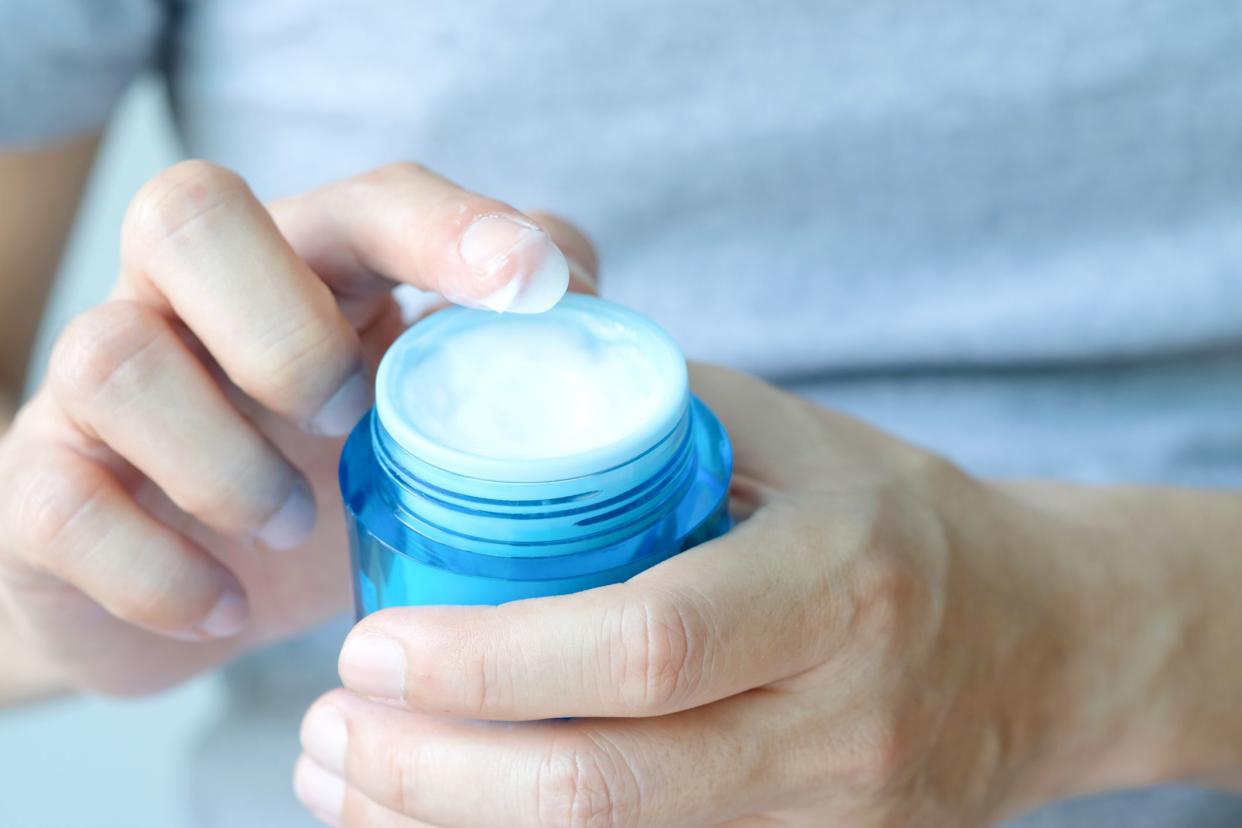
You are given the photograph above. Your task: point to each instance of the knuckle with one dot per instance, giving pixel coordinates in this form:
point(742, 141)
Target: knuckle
point(492, 687)
point(102, 350)
point(662, 653)
point(396, 176)
point(148, 604)
point(399, 767)
point(886, 594)
point(61, 513)
point(585, 783)
point(296, 359)
point(218, 503)
point(928, 470)
point(177, 198)
point(878, 755)
point(50, 498)
point(398, 171)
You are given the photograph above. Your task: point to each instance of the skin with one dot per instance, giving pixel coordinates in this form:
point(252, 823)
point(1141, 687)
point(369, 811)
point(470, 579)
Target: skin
point(885, 641)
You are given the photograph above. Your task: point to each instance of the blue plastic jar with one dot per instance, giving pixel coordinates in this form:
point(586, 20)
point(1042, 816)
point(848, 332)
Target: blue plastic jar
point(436, 523)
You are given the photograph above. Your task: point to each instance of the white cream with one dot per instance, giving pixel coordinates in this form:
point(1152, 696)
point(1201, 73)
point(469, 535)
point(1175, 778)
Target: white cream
point(532, 387)
point(531, 268)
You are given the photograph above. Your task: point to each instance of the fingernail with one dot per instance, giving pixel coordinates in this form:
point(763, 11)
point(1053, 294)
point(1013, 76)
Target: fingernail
point(372, 665)
point(496, 246)
point(345, 408)
point(321, 791)
point(293, 522)
point(325, 737)
point(227, 618)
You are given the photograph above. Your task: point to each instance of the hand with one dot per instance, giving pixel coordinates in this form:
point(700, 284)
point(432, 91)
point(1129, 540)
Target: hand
point(169, 495)
point(871, 647)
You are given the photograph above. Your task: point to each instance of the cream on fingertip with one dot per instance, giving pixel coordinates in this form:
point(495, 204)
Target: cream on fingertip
point(543, 287)
point(496, 246)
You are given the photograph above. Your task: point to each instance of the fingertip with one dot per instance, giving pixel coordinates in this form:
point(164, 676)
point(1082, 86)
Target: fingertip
point(373, 664)
point(513, 265)
point(319, 790)
point(292, 523)
point(338, 416)
point(544, 284)
point(227, 617)
point(578, 249)
point(325, 736)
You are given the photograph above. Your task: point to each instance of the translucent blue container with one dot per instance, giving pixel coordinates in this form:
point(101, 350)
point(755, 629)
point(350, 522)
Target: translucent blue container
point(431, 523)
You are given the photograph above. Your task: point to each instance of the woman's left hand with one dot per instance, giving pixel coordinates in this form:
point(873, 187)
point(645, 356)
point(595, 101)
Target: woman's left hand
point(873, 646)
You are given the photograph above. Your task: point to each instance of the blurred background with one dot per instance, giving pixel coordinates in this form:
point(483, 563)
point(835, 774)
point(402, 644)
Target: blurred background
point(129, 760)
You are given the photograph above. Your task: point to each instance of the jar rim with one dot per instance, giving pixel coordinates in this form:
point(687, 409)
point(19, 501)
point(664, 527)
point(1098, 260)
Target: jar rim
point(574, 309)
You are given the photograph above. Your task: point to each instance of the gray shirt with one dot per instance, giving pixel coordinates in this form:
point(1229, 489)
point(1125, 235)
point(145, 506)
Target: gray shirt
point(1008, 231)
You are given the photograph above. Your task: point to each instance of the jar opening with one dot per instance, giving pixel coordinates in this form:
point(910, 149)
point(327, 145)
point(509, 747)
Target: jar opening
point(584, 387)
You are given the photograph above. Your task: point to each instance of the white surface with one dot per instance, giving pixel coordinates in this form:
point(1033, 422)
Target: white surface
point(92, 762)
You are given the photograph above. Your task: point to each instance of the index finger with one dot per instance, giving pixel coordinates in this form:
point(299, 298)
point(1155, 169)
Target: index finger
point(404, 223)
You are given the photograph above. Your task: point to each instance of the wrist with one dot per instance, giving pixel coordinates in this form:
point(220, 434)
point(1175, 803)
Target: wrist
point(1139, 583)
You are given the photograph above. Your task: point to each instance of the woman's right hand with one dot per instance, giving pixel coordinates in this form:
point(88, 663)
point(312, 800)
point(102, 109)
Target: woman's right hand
point(169, 495)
